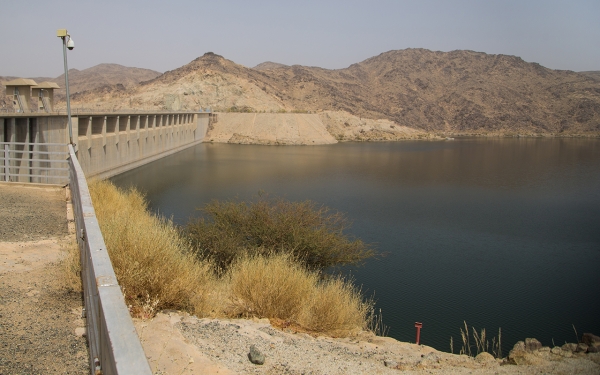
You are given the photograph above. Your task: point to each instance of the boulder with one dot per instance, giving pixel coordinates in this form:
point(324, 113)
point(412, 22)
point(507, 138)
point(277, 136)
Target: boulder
point(556, 350)
point(529, 352)
point(485, 358)
point(582, 348)
point(255, 356)
point(591, 340)
point(532, 345)
point(572, 347)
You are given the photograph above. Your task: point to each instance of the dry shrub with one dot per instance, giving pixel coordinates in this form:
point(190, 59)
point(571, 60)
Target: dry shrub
point(157, 270)
point(279, 287)
point(152, 263)
point(315, 234)
point(335, 307)
point(269, 287)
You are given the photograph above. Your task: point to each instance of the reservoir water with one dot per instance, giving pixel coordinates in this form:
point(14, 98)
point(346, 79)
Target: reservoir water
point(500, 233)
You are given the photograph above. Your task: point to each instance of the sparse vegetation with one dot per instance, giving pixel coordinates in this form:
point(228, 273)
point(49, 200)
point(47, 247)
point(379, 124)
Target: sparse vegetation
point(70, 266)
point(157, 270)
point(313, 234)
point(153, 264)
point(481, 342)
point(242, 109)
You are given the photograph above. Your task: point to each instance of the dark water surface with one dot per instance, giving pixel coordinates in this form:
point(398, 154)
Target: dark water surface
point(497, 232)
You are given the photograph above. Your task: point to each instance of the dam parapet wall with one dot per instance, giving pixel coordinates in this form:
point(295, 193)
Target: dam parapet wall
point(105, 143)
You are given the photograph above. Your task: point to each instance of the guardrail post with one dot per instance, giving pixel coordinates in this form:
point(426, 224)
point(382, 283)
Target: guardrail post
point(6, 164)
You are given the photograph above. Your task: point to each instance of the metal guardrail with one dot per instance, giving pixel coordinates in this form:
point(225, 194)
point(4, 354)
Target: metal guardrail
point(16, 158)
point(88, 111)
point(115, 348)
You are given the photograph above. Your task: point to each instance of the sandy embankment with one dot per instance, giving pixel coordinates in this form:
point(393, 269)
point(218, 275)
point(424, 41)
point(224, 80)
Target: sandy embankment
point(270, 129)
point(326, 127)
point(177, 343)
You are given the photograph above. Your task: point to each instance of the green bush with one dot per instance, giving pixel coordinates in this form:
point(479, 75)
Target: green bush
point(314, 234)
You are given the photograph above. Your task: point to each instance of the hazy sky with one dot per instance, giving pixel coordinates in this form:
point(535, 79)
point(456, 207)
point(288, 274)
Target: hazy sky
point(164, 35)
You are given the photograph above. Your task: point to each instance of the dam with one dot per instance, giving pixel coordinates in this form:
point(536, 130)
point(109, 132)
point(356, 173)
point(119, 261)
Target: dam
point(35, 149)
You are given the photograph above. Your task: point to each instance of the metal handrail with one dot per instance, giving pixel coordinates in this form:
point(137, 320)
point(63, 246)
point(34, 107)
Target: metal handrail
point(16, 165)
point(115, 348)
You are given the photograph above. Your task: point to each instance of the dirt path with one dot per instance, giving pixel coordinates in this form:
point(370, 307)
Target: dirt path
point(39, 316)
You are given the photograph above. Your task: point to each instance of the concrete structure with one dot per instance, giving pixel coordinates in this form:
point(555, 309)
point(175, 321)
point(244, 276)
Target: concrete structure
point(106, 143)
point(20, 91)
point(45, 94)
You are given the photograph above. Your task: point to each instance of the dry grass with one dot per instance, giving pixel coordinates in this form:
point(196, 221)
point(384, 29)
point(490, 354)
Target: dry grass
point(278, 286)
point(157, 270)
point(481, 342)
point(153, 264)
point(70, 267)
point(269, 287)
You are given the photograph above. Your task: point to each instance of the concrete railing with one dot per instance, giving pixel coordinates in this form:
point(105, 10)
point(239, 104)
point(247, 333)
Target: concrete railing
point(114, 345)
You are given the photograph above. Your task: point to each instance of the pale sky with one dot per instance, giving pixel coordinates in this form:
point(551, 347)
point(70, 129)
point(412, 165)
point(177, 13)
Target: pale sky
point(164, 35)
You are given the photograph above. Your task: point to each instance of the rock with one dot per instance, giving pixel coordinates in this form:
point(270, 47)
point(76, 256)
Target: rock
point(556, 350)
point(485, 357)
point(520, 345)
point(529, 352)
point(255, 356)
point(390, 363)
point(593, 349)
point(572, 347)
point(532, 345)
point(582, 348)
point(432, 357)
point(591, 341)
point(80, 331)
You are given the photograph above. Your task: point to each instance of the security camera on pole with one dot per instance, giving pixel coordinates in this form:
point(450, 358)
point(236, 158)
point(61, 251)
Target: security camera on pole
point(67, 43)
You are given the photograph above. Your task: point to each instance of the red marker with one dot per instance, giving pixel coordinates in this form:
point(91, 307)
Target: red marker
point(418, 326)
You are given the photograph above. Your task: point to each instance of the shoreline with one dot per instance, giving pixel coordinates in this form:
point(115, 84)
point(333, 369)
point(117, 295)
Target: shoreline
point(177, 342)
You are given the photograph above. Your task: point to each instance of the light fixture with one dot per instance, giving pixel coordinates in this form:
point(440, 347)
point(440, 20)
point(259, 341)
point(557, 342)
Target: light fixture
point(70, 44)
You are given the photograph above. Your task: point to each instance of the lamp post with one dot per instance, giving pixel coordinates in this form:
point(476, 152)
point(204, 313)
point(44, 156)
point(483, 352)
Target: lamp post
point(67, 43)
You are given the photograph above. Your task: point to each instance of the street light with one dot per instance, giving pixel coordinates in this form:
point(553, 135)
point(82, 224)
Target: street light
point(67, 43)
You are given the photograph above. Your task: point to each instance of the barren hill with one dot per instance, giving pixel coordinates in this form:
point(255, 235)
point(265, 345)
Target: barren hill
point(458, 92)
point(445, 92)
point(97, 77)
point(103, 75)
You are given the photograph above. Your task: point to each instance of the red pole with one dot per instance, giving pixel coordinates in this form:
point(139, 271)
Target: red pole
point(418, 326)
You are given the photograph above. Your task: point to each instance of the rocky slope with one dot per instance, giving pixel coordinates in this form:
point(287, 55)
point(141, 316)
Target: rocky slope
point(462, 92)
point(458, 92)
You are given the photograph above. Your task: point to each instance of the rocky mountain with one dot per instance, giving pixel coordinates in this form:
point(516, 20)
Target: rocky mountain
point(592, 73)
point(103, 75)
point(96, 77)
point(458, 92)
point(268, 65)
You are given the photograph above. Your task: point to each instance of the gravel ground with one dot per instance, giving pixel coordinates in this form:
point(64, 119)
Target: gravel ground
point(177, 343)
point(38, 315)
point(30, 213)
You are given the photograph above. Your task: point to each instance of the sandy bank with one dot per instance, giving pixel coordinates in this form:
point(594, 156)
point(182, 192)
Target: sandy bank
point(177, 343)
